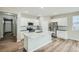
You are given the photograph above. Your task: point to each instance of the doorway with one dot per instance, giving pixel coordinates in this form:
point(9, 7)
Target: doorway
point(8, 27)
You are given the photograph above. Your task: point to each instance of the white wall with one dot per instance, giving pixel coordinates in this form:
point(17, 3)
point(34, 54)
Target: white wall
point(18, 27)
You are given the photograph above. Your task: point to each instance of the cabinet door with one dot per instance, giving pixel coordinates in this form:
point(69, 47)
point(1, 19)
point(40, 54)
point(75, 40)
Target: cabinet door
point(37, 42)
point(62, 34)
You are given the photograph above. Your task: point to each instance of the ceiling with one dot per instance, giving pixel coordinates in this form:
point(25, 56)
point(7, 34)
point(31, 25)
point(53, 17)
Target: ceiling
point(40, 11)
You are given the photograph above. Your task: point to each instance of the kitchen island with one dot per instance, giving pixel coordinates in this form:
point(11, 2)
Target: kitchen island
point(33, 40)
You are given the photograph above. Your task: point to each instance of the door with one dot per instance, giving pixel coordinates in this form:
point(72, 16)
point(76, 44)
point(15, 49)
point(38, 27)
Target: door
point(8, 26)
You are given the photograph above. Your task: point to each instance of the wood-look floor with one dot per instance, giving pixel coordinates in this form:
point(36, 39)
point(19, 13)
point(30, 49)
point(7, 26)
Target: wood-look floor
point(60, 45)
point(8, 44)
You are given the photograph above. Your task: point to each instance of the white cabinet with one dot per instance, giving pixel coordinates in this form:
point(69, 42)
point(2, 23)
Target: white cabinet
point(36, 40)
point(62, 34)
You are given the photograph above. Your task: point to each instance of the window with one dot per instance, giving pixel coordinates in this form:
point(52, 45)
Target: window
point(75, 25)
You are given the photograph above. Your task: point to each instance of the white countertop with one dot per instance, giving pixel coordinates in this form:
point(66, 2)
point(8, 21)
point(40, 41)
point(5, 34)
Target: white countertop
point(35, 35)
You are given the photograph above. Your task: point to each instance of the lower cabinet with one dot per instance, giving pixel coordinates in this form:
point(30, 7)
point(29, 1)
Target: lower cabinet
point(34, 43)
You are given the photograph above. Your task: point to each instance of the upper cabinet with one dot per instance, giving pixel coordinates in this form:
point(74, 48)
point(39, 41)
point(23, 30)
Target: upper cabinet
point(61, 21)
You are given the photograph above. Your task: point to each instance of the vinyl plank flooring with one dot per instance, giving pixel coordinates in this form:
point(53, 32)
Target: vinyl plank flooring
point(8, 44)
point(65, 46)
point(57, 49)
point(75, 47)
point(61, 45)
point(54, 46)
